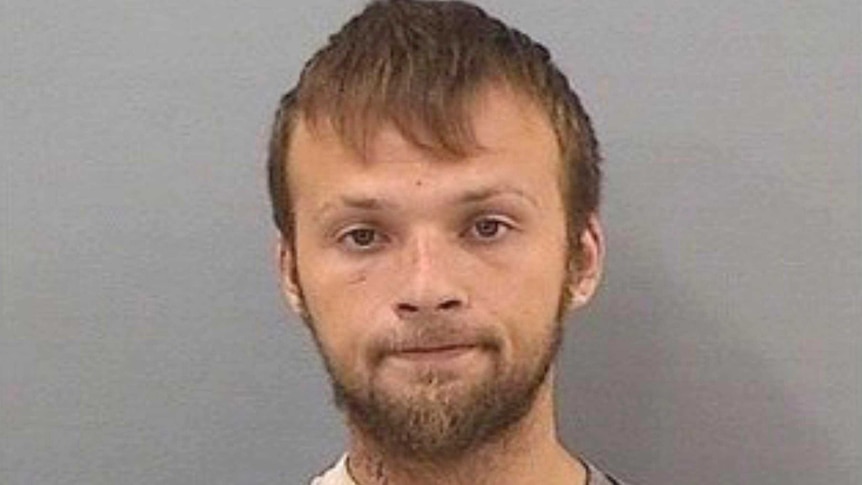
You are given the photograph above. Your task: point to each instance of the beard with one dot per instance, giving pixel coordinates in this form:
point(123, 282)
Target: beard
point(437, 418)
point(438, 422)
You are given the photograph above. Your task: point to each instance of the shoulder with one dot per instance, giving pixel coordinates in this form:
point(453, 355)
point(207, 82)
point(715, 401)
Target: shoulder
point(595, 476)
point(335, 475)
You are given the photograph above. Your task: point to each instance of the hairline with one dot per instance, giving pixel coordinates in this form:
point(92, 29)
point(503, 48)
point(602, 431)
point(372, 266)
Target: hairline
point(318, 121)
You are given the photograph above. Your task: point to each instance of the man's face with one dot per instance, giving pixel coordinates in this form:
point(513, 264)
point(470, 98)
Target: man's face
point(432, 286)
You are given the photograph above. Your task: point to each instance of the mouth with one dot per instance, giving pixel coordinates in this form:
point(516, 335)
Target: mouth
point(440, 361)
point(436, 353)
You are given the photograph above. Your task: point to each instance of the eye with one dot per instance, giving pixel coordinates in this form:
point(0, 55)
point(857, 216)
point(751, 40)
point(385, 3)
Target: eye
point(360, 238)
point(488, 229)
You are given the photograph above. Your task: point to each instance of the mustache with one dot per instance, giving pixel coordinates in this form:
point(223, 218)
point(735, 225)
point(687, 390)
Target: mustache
point(426, 335)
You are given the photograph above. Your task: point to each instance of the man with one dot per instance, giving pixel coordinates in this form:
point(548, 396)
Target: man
point(435, 182)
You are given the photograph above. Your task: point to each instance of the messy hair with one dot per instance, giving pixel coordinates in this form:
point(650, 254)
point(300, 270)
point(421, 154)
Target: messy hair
point(419, 65)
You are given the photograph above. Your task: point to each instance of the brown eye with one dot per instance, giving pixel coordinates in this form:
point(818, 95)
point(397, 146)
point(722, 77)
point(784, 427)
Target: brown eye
point(361, 237)
point(488, 229)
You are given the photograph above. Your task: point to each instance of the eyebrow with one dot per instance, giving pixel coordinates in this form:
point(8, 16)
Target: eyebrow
point(483, 194)
point(356, 202)
point(474, 196)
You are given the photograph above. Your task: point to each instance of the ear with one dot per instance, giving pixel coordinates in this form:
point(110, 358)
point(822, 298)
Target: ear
point(290, 289)
point(587, 273)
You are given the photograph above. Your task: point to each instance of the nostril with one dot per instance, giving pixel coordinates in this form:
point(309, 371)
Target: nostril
point(450, 304)
point(407, 308)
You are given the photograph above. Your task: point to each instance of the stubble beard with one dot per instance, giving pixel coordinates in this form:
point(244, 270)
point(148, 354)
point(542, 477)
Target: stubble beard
point(437, 420)
point(434, 426)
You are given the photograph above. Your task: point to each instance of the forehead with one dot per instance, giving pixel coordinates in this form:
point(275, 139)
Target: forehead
point(500, 119)
point(517, 153)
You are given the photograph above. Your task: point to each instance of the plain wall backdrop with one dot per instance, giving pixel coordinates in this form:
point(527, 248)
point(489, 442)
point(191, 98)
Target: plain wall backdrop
point(143, 339)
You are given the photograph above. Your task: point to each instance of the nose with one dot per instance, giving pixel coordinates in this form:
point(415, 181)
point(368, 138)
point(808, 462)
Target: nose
point(430, 285)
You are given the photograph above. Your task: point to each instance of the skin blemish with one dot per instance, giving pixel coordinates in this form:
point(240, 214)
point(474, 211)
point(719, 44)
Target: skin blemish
point(358, 279)
point(418, 183)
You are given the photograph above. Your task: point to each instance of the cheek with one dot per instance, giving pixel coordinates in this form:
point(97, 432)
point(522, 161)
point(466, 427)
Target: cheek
point(345, 306)
point(525, 299)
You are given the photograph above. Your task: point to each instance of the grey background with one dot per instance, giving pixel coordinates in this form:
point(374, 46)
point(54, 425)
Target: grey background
point(143, 340)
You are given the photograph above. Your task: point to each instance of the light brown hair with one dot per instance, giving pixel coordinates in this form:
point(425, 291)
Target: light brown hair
point(419, 65)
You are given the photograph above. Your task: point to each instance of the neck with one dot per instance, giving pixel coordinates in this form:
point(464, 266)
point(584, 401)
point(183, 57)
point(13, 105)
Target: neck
point(529, 452)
